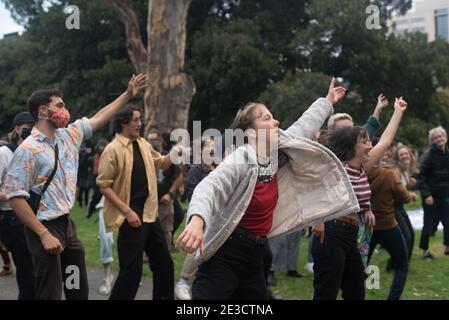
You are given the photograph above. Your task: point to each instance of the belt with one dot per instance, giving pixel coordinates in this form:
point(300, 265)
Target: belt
point(250, 236)
point(345, 222)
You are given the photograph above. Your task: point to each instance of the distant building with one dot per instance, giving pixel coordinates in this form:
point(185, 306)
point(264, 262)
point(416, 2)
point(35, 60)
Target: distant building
point(11, 36)
point(427, 16)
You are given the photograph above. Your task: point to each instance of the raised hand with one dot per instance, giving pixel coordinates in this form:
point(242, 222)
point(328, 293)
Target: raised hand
point(400, 104)
point(136, 84)
point(334, 95)
point(382, 101)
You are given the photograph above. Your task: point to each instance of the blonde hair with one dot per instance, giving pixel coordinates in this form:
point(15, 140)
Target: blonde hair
point(433, 132)
point(336, 117)
point(413, 161)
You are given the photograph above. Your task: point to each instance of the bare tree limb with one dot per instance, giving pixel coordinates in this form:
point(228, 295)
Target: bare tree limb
point(136, 50)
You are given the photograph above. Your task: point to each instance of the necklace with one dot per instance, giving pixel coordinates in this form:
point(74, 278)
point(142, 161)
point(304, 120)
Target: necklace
point(265, 173)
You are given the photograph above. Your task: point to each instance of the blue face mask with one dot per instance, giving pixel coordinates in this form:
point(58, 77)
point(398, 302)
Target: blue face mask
point(25, 133)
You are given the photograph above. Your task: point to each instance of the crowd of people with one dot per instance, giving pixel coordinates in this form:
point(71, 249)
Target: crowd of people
point(343, 185)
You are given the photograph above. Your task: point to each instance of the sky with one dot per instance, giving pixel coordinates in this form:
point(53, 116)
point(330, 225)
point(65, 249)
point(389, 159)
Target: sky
point(7, 24)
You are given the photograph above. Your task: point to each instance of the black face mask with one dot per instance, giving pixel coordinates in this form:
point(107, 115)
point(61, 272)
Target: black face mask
point(25, 133)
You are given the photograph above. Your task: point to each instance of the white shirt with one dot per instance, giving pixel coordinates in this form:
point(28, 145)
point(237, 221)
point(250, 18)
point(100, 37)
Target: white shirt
point(5, 160)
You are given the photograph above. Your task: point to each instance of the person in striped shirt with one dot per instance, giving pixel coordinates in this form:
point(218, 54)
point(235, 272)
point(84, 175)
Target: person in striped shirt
point(338, 262)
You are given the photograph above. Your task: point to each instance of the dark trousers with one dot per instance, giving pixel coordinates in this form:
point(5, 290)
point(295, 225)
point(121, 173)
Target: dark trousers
point(234, 272)
point(337, 263)
point(393, 241)
point(178, 215)
point(440, 208)
point(53, 271)
point(267, 260)
point(83, 194)
point(13, 237)
point(406, 228)
point(131, 244)
point(96, 197)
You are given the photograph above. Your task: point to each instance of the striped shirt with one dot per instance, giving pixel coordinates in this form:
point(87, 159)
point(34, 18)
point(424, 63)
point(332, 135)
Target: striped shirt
point(360, 184)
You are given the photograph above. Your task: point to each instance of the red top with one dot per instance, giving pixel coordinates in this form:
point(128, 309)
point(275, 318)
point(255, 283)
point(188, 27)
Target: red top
point(259, 215)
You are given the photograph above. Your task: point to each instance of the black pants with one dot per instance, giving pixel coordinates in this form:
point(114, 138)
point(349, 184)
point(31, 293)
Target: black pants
point(52, 271)
point(406, 228)
point(337, 263)
point(267, 260)
point(393, 241)
point(96, 197)
point(83, 194)
point(12, 233)
point(234, 272)
point(440, 208)
point(131, 244)
point(178, 215)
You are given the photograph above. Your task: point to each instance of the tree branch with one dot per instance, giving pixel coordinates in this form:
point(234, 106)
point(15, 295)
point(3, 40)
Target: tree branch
point(136, 50)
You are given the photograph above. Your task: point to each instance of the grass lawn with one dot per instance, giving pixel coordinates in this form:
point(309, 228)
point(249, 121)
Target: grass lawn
point(427, 279)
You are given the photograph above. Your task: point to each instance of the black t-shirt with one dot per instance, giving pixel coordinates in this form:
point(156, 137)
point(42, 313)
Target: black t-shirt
point(165, 179)
point(139, 182)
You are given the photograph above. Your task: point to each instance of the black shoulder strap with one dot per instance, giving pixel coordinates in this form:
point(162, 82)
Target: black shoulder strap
point(52, 175)
point(12, 146)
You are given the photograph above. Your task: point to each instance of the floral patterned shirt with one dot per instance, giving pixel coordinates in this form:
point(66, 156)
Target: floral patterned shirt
point(33, 162)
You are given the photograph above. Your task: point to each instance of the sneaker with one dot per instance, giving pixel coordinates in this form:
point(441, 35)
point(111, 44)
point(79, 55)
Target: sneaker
point(309, 267)
point(106, 284)
point(428, 256)
point(183, 291)
point(446, 251)
point(274, 296)
point(6, 271)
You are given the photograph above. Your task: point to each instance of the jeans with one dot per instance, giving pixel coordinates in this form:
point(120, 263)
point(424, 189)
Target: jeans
point(285, 251)
point(439, 208)
point(236, 271)
point(338, 263)
point(406, 228)
point(393, 241)
point(106, 240)
point(309, 250)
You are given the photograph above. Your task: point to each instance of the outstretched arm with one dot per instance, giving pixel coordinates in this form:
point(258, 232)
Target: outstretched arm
point(313, 118)
point(382, 102)
point(387, 137)
point(103, 116)
point(373, 124)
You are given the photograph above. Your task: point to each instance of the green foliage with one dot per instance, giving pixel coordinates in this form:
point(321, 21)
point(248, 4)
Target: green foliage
point(230, 66)
point(289, 98)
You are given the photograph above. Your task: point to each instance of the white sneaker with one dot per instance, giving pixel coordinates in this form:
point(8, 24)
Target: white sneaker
point(182, 291)
point(309, 267)
point(106, 284)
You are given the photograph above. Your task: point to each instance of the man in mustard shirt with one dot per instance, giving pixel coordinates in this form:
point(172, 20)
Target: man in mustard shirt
point(127, 178)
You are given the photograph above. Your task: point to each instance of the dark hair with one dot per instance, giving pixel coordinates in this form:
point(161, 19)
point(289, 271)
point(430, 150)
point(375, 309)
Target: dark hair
point(124, 116)
point(39, 98)
point(101, 144)
point(342, 141)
